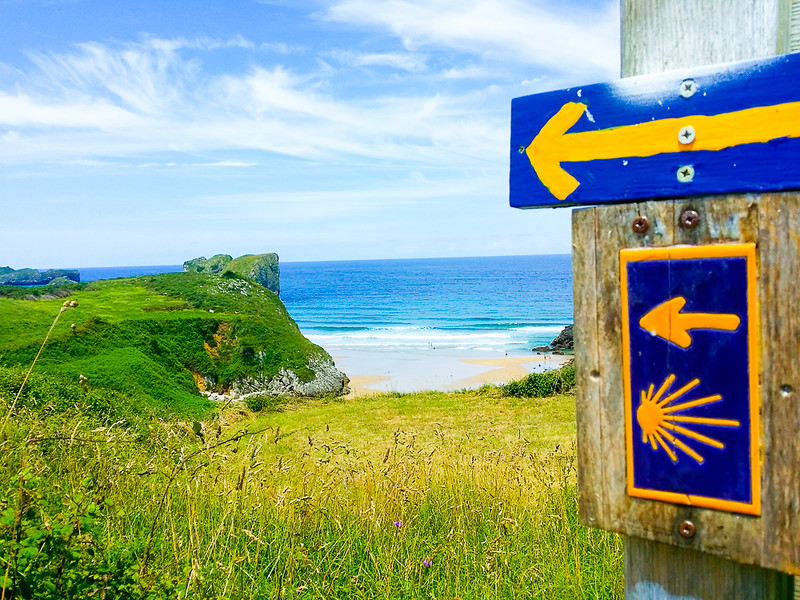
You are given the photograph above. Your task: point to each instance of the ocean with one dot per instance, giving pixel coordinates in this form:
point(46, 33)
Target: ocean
point(94, 273)
point(494, 305)
point(412, 323)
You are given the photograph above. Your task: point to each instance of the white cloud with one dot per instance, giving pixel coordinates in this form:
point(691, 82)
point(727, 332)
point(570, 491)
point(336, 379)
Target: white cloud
point(145, 78)
point(468, 72)
point(155, 95)
point(210, 44)
point(411, 62)
point(21, 110)
point(84, 162)
point(224, 163)
point(555, 34)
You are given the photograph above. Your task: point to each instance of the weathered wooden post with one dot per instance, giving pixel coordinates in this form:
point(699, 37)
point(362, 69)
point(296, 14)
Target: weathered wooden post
point(686, 279)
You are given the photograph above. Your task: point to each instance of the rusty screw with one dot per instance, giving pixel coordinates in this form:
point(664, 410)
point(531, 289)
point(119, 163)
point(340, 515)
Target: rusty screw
point(689, 219)
point(687, 529)
point(640, 224)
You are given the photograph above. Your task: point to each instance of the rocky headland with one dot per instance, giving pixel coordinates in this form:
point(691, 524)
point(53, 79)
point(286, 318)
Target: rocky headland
point(264, 269)
point(562, 342)
point(261, 268)
point(9, 276)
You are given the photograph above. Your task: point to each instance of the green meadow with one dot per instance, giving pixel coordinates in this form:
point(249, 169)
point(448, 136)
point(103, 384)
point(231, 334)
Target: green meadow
point(429, 495)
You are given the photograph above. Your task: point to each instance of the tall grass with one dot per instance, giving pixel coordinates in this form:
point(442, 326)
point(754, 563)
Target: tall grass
point(309, 503)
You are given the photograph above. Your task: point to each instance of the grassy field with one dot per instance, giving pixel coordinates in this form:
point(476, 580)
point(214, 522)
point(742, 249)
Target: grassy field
point(466, 495)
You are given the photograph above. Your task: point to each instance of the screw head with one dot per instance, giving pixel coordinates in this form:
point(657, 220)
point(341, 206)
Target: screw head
point(687, 529)
point(521, 149)
point(685, 173)
point(640, 224)
point(687, 88)
point(689, 219)
point(686, 135)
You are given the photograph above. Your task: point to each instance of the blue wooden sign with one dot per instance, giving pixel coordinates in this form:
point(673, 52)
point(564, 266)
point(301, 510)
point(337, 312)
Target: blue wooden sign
point(705, 131)
point(690, 321)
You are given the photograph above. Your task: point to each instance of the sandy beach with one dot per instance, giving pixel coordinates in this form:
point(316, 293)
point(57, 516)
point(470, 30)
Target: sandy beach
point(503, 370)
point(373, 372)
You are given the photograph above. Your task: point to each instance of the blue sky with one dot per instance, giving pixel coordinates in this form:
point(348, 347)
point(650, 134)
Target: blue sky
point(150, 132)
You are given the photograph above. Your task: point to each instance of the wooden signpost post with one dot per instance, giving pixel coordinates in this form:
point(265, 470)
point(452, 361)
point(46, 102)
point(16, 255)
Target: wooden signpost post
point(686, 270)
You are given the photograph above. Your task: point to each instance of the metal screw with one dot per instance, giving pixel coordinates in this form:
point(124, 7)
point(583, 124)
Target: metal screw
point(686, 135)
point(640, 224)
point(687, 529)
point(689, 219)
point(521, 149)
point(688, 88)
point(685, 173)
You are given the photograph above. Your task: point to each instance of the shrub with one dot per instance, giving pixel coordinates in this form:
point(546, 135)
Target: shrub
point(265, 402)
point(539, 385)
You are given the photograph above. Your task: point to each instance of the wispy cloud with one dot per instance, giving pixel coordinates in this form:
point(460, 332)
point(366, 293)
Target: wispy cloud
point(157, 95)
point(146, 78)
point(406, 61)
point(469, 72)
point(224, 163)
point(147, 97)
point(556, 34)
point(24, 110)
point(84, 162)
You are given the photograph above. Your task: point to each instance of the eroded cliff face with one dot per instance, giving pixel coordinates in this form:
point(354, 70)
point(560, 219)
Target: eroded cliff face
point(261, 268)
point(325, 379)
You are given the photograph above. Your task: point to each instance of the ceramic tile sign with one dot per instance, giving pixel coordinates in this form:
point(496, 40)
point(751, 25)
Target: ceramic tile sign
point(690, 371)
point(723, 129)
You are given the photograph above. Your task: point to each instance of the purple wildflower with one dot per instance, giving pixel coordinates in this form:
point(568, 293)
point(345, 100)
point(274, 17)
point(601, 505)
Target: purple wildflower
point(426, 562)
point(398, 523)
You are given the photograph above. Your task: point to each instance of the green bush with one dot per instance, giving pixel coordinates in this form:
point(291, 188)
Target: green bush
point(539, 385)
point(40, 291)
point(56, 547)
point(265, 403)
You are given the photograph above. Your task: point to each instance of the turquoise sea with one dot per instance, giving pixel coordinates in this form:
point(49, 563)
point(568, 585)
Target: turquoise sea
point(493, 304)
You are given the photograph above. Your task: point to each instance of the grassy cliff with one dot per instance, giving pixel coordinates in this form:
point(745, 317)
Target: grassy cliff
point(160, 339)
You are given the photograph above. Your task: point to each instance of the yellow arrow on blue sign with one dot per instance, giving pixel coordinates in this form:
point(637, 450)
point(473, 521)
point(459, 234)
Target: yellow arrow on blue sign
point(736, 129)
point(553, 146)
point(668, 322)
